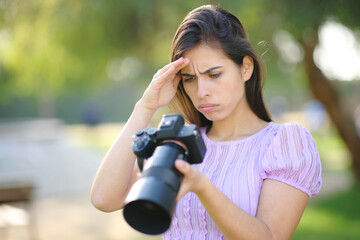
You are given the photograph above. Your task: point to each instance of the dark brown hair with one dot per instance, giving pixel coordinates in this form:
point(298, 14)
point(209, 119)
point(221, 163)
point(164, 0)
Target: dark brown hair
point(218, 28)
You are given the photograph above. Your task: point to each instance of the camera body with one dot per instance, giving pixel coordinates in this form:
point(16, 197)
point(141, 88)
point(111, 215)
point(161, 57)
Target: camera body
point(151, 201)
point(171, 128)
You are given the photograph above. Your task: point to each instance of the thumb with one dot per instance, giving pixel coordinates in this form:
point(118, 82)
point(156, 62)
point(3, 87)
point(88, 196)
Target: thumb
point(182, 166)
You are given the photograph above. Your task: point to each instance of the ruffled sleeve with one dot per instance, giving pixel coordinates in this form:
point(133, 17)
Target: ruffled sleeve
point(292, 158)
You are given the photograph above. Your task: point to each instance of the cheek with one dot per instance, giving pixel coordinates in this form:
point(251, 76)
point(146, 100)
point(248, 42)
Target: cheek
point(189, 91)
point(234, 91)
point(239, 91)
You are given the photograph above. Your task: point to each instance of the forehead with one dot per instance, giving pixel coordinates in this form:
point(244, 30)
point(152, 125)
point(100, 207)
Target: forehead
point(203, 57)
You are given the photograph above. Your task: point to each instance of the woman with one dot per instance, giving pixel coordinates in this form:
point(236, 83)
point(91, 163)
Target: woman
point(256, 177)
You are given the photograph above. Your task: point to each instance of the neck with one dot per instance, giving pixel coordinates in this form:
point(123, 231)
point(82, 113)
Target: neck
point(242, 123)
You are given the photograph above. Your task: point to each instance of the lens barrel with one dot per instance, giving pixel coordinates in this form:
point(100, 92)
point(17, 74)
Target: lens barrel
point(151, 201)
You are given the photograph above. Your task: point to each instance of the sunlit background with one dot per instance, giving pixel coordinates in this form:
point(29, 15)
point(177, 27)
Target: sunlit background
point(71, 72)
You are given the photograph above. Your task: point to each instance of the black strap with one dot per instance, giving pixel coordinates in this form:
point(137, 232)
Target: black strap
point(140, 162)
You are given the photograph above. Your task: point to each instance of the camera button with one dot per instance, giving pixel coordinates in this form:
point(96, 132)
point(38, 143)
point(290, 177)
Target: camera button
point(140, 145)
point(151, 131)
point(139, 132)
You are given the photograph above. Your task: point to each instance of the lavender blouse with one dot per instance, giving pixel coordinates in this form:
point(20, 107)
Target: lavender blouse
point(284, 152)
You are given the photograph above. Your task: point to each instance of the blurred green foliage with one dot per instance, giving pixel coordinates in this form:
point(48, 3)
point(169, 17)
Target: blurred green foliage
point(61, 44)
point(77, 51)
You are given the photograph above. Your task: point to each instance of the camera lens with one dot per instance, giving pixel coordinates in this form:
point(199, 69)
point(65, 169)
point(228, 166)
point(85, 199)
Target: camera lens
point(150, 211)
point(152, 199)
point(151, 208)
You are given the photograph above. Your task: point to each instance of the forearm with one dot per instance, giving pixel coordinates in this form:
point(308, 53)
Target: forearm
point(232, 221)
point(116, 173)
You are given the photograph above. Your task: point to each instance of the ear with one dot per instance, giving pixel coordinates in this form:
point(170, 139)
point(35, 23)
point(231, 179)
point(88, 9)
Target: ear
point(247, 68)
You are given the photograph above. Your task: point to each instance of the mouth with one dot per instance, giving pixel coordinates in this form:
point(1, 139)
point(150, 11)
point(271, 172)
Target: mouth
point(207, 107)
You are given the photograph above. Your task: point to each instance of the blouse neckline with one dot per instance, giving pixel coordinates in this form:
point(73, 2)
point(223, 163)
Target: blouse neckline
point(207, 139)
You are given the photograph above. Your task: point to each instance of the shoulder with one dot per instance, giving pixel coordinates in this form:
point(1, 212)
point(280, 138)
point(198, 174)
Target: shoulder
point(290, 136)
point(292, 157)
point(292, 128)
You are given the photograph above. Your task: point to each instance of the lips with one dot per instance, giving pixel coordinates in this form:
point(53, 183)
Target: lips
point(207, 107)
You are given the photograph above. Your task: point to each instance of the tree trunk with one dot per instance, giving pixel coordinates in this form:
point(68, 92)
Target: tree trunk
point(324, 91)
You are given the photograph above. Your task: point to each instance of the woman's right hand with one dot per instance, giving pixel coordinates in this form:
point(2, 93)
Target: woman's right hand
point(163, 86)
point(118, 171)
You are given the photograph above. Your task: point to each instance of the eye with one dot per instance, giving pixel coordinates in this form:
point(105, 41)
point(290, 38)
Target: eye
point(188, 79)
point(215, 75)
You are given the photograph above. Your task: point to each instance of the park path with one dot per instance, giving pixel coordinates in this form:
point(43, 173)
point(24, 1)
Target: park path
point(62, 172)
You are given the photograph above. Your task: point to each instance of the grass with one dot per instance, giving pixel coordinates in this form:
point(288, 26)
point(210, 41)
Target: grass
point(336, 217)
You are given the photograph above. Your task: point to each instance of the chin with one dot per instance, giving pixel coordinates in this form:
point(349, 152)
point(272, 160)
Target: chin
point(213, 117)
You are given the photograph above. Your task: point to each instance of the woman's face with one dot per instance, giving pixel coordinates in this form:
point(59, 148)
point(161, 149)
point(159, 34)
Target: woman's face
point(214, 83)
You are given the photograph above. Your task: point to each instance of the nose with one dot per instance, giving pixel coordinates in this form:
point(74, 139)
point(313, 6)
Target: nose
point(202, 88)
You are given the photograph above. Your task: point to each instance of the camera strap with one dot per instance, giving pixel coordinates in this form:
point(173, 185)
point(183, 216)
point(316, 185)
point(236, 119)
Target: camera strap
point(140, 162)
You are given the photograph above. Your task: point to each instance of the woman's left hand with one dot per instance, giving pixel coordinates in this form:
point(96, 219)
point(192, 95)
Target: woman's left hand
point(192, 178)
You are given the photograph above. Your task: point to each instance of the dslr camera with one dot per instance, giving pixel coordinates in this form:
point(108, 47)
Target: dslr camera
point(150, 204)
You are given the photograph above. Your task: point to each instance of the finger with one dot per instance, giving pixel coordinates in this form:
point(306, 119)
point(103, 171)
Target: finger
point(174, 69)
point(177, 79)
point(169, 74)
point(182, 166)
point(181, 62)
point(159, 80)
point(184, 63)
point(175, 63)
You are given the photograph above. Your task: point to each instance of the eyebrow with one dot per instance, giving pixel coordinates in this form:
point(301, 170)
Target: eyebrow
point(206, 71)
